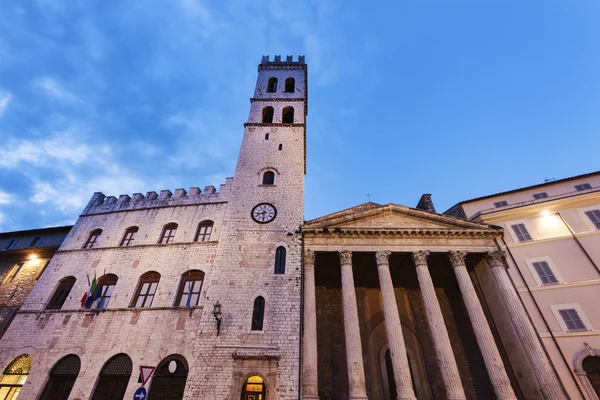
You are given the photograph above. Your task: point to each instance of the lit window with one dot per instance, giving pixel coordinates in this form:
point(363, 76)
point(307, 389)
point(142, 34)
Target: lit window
point(594, 216)
point(10, 244)
point(146, 289)
point(280, 260)
point(501, 203)
point(258, 314)
point(106, 286)
point(14, 272)
point(204, 231)
point(541, 195)
point(268, 178)
point(14, 377)
point(39, 274)
point(61, 294)
point(35, 241)
point(168, 234)
point(129, 236)
point(521, 232)
point(189, 289)
point(545, 273)
point(92, 239)
point(583, 186)
point(572, 319)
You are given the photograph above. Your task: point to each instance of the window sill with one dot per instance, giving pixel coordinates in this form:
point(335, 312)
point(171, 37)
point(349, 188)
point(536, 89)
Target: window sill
point(262, 332)
point(263, 185)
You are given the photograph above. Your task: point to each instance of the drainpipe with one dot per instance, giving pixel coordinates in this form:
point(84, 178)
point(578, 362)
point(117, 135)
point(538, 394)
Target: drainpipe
point(545, 323)
point(579, 243)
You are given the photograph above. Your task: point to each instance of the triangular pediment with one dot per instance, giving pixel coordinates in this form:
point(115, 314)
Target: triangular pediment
point(372, 216)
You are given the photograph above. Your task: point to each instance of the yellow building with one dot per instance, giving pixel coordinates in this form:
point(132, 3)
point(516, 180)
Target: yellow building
point(552, 244)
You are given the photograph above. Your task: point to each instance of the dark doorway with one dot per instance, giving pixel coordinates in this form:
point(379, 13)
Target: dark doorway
point(62, 378)
point(114, 378)
point(254, 388)
point(169, 379)
point(591, 366)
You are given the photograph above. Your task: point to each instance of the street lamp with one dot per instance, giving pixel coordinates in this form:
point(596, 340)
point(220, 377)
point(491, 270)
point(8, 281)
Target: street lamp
point(217, 315)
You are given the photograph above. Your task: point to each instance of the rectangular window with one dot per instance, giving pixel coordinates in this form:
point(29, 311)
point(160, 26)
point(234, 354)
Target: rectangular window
point(521, 232)
point(541, 195)
point(545, 273)
point(146, 294)
point(501, 203)
point(583, 186)
point(14, 272)
point(572, 319)
point(39, 274)
point(10, 244)
point(35, 241)
point(594, 216)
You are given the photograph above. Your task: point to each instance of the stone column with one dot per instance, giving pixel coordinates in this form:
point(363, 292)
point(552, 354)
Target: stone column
point(310, 388)
point(550, 385)
point(483, 334)
point(439, 333)
point(356, 370)
point(402, 377)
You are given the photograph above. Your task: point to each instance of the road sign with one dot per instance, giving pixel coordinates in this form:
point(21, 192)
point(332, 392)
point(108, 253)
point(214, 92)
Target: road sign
point(146, 372)
point(140, 394)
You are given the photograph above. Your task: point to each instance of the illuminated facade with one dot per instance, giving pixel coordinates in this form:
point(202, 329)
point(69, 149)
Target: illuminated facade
point(552, 239)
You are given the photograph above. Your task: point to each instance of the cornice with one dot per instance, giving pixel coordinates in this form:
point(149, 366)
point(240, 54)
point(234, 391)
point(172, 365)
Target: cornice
point(401, 232)
point(274, 124)
point(276, 99)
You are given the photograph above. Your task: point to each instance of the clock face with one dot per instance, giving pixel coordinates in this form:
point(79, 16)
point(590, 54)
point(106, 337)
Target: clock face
point(264, 213)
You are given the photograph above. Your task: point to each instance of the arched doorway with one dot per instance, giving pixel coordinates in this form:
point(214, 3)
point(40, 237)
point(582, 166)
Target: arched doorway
point(62, 378)
point(591, 366)
point(114, 378)
point(14, 376)
point(169, 379)
point(254, 388)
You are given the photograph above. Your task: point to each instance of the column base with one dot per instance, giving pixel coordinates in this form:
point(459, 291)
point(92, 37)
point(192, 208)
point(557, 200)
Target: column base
point(406, 398)
point(310, 397)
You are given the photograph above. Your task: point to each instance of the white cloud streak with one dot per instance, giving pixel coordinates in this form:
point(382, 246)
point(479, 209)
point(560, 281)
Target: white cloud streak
point(55, 90)
point(5, 98)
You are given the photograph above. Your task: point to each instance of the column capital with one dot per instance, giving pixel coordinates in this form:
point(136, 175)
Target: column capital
point(382, 257)
point(495, 259)
point(420, 257)
point(309, 257)
point(457, 258)
point(345, 257)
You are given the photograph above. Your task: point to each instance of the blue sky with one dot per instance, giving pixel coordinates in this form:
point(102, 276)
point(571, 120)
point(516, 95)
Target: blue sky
point(455, 98)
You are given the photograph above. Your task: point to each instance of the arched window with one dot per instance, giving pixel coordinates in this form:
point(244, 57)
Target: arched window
point(188, 294)
point(591, 366)
point(168, 233)
point(146, 290)
point(92, 239)
point(204, 231)
point(129, 236)
point(272, 85)
point(280, 260)
point(62, 378)
point(287, 116)
point(268, 178)
point(169, 379)
point(290, 85)
point(267, 115)
point(106, 285)
point(14, 376)
point(254, 388)
point(258, 314)
point(62, 293)
point(114, 378)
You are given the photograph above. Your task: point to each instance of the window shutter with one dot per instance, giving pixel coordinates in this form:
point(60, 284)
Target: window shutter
point(572, 319)
point(545, 273)
point(594, 216)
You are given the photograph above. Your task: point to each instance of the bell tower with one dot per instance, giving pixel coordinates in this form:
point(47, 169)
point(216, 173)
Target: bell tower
point(272, 159)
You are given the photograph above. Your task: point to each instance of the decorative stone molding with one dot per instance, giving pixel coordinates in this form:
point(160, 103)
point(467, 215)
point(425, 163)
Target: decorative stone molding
point(495, 259)
point(309, 257)
point(401, 232)
point(420, 257)
point(457, 258)
point(382, 257)
point(345, 257)
point(587, 351)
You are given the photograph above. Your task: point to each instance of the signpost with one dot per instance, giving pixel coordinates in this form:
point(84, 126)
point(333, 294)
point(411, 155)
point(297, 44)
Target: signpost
point(140, 394)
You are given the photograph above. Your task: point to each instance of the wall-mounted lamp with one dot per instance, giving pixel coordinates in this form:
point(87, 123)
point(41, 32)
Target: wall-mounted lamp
point(217, 315)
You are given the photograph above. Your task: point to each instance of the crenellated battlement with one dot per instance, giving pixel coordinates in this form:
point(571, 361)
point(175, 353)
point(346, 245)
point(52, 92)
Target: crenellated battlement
point(99, 203)
point(277, 60)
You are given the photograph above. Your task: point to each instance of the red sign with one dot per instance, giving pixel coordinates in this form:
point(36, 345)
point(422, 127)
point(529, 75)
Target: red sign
point(146, 372)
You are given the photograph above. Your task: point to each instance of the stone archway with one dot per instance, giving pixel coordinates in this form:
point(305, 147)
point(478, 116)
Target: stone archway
point(587, 368)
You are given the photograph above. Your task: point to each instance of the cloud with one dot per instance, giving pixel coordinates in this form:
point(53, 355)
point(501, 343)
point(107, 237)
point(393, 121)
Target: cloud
point(5, 98)
point(5, 198)
point(54, 89)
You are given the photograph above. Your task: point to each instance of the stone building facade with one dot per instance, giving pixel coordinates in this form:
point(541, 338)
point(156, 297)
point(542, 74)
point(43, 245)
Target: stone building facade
point(230, 294)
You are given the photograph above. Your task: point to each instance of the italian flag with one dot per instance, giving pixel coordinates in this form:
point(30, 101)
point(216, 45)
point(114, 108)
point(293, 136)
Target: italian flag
point(89, 296)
